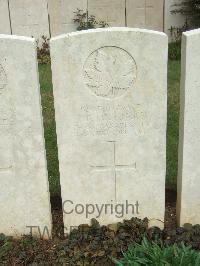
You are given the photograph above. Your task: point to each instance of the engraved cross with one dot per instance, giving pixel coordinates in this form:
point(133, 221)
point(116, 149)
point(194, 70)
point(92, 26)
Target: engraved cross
point(114, 167)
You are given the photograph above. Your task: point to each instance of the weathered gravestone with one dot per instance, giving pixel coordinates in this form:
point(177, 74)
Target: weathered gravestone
point(110, 89)
point(29, 18)
point(24, 197)
point(4, 18)
point(188, 210)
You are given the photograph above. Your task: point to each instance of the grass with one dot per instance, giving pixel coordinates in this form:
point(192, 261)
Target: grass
point(49, 128)
point(50, 131)
point(173, 123)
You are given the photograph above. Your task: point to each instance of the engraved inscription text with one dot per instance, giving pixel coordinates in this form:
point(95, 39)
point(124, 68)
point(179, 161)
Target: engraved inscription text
point(110, 119)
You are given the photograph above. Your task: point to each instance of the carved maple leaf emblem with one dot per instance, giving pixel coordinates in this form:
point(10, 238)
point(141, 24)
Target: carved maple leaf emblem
point(110, 72)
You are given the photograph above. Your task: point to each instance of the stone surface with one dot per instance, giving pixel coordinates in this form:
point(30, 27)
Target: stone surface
point(110, 11)
point(29, 18)
point(62, 14)
point(110, 90)
point(4, 17)
point(24, 197)
point(189, 146)
point(145, 14)
point(172, 20)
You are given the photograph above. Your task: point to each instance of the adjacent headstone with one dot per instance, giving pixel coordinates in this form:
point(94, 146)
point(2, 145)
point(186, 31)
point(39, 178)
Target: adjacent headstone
point(145, 14)
point(110, 90)
point(61, 14)
point(189, 146)
point(29, 18)
point(110, 11)
point(172, 20)
point(4, 18)
point(24, 197)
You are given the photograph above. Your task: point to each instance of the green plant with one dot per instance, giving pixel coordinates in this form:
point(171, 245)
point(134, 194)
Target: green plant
point(49, 127)
point(175, 50)
point(85, 22)
point(43, 52)
point(176, 32)
point(5, 247)
point(191, 9)
point(149, 253)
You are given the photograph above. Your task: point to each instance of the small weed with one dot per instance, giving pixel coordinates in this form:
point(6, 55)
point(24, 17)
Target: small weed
point(85, 21)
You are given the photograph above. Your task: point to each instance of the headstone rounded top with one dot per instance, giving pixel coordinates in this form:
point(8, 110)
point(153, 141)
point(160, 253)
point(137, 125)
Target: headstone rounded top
point(110, 72)
point(3, 78)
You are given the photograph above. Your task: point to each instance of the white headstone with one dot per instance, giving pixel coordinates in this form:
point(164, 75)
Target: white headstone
point(29, 18)
point(189, 146)
point(62, 14)
point(145, 14)
point(110, 90)
point(24, 197)
point(4, 17)
point(110, 11)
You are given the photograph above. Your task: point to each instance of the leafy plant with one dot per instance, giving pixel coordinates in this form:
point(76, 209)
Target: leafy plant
point(95, 244)
point(176, 32)
point(5, 247)
point(43, 52)
point(85, 21)
point(191, 9)
point(175, 45)
point(159, 255)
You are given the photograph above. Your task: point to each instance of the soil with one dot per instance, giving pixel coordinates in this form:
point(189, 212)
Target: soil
point(170, 211)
